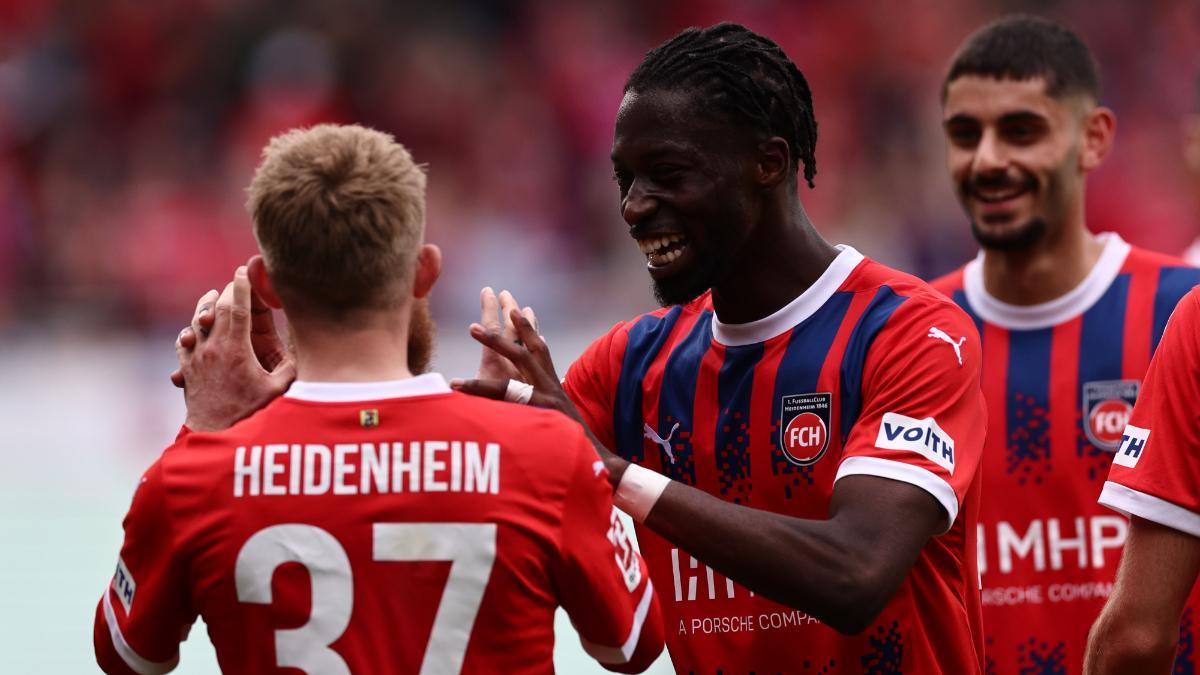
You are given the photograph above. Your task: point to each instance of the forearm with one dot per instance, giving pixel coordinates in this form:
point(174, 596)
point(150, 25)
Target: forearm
point(1117, 646)
point(845, 581)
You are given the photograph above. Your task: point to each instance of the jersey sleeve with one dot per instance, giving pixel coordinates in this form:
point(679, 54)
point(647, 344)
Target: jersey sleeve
point(1155, 472)
point(922, 419)
point(602, 581)
point(145, 612)
point(591, 382)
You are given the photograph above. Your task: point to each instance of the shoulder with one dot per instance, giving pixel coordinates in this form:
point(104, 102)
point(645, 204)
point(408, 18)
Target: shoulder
point(1144, 259)
point(947, 284)
point(907, 299)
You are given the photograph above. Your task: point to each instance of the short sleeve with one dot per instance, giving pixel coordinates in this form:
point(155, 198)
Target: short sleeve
point(1155, 472)
point(145, 612)
point(923, 417)
point(603, 582)
point(591, 382)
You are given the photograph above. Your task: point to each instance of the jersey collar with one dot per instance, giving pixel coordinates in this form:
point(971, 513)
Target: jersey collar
point(342, 392)
point(796, 311)
point(1063, 308)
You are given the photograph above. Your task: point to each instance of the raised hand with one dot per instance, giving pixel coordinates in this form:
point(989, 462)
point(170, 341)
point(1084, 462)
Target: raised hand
point(495, 314)
point(221, 370)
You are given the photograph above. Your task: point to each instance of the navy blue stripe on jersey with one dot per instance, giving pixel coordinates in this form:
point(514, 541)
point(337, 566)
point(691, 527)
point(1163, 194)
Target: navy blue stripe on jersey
point(1102, 332)
point(677, 398)
point(960, 299)
point(800, 368)
point(734, 384)
point(869, 324)
point(646, 338)
point(1173, 284)
point(1027, 394)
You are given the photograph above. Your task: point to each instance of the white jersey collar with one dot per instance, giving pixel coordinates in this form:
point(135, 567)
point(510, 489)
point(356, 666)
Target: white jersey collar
point(343, 392)
point(1063, 308)
point(796, 311)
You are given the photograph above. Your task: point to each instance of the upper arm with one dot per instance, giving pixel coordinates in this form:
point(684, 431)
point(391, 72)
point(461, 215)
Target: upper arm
point(603, 583)
point(923, 417)
point(145, 612)
point(1156, 468)
point(591, 382)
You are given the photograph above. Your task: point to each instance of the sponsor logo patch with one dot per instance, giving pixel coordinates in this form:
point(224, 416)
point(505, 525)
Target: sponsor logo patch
point(1107, 406)
point(368, 418)
point(804, 427)
point(624, 553)
point(124, 585)
point(1133, 442)
point(922, 436)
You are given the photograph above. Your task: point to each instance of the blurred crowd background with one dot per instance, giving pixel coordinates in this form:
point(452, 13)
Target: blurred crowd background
point(129, 130)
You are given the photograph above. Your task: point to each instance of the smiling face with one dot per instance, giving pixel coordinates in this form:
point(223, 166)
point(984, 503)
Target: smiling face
point(687, 191)
point(1014, 155)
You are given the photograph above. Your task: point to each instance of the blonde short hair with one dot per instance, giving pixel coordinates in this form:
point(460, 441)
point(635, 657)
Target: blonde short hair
point(339, 214)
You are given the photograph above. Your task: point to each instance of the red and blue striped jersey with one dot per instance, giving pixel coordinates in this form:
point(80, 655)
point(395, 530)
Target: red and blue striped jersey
point(1060, 381)
point(869, 371)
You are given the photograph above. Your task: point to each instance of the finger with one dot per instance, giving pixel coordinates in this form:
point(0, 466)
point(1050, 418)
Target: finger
point(527, 335)
point(527, 312)
point(508, 304)
point(239, 311)
point(202, 318)
point(262, 320)
point(494, 340)
point(489, 308)
point(493, 389)
point(233, 308)
point(186, 339)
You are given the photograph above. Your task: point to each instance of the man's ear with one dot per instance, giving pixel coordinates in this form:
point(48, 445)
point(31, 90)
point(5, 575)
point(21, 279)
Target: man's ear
point(774, 162)
point(260, 282)
point(1099, 130)
point(429, 267)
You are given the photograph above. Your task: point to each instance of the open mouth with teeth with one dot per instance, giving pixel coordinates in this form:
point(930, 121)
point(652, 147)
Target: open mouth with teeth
point(662, 250)
point(999, 195)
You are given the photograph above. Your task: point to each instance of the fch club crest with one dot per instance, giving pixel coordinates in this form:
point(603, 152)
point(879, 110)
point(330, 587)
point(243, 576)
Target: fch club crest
point(804, 427)
point(1106, 409)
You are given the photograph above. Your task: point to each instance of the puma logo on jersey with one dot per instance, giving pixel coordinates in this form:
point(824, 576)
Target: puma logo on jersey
point(938, 333)
point(664, 442)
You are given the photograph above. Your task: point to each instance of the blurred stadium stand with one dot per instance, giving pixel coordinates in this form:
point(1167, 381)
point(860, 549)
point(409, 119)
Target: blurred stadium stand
point(129, 129)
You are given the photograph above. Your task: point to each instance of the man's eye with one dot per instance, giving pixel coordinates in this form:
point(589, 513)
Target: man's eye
point(1022, 132)
point(963, 136)
point(667, 172)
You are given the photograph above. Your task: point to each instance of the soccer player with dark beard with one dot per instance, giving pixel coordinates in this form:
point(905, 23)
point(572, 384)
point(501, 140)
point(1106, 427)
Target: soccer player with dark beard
point(1069, 320)
point(798, 430)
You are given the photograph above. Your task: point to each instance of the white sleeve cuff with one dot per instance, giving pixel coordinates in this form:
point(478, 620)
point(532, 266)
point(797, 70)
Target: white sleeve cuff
point(1133, 503)
point(638, 491)
point(135, 661)
point(905, 473)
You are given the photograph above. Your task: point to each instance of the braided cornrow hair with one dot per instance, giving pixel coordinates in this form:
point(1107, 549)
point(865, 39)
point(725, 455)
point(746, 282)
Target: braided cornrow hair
point(744, 74)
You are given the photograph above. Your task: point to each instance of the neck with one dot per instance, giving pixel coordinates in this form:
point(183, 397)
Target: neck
point(1047, 270)
point(374, 351)
point(778, 262)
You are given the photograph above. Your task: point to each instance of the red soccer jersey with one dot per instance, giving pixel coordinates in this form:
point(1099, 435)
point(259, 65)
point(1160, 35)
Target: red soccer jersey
point(868, 372)
point(1060, 381)
point(378, 528)
point(1156, 470)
